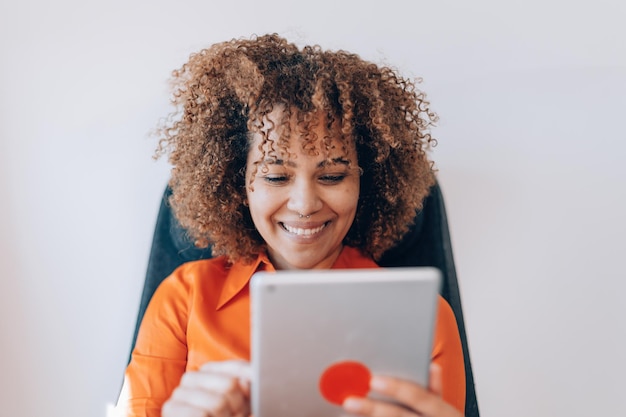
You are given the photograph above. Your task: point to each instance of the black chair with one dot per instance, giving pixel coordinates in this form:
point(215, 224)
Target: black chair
point(426, 244)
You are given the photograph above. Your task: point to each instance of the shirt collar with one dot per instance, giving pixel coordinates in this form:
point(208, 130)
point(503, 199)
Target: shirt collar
point(240, 274)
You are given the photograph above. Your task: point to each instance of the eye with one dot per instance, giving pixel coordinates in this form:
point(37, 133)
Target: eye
point(276, 179)
point(332, 178)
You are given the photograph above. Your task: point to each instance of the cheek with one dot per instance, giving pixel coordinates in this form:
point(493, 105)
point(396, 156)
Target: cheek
point(355, 192)
point(349, 200)
point(261, 203)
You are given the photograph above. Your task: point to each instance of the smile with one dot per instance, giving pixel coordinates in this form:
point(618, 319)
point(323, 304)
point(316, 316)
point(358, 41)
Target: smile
point(303, 232)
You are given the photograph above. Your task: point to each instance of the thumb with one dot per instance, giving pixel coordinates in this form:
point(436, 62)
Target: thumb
point(436, 384)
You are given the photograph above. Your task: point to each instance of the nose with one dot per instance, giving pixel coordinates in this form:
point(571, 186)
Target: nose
point(304, 198)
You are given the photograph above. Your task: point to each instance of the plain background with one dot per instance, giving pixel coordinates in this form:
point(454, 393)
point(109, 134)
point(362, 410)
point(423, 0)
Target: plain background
point(531, 96)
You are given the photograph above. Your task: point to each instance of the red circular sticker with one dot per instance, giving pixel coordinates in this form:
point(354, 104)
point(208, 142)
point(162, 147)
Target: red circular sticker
point(345, 379)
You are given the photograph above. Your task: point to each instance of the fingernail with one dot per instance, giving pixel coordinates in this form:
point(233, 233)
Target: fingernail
point(377, 383)
point(352, 404)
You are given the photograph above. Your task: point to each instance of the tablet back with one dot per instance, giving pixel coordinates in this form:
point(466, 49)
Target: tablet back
point(318, 335)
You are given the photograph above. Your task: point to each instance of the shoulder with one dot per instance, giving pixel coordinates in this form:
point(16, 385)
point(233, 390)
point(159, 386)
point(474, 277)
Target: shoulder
point(448, 354)
point(446, 329)
point(445, 313)
point(189, 278)
point(446, 321)
point(192, 273)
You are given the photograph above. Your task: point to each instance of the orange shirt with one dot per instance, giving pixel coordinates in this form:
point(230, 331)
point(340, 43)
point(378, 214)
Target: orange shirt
point(201, 313)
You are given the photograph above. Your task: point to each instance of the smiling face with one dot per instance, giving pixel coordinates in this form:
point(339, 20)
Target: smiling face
point(302, 203)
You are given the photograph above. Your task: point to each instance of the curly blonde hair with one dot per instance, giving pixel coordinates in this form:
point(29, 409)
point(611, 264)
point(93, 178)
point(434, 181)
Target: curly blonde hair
point(222, 95)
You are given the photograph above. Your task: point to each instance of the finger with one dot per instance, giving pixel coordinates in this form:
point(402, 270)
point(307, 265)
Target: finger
point(236, 402)
point(374, 408)
point(244, 386)
point(202, 386)
point(215, 404)
point(436, 380)
point(209, 381)
point(237, 369)
point(411, 395)
point(177, 409)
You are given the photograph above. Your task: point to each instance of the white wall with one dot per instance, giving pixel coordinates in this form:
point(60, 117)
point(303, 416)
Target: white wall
point(531, 96)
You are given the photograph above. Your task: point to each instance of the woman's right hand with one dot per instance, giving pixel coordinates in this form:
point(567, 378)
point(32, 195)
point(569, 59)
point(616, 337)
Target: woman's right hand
point(217, 389)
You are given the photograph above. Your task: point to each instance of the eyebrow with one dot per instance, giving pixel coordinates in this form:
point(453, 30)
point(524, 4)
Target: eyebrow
point(321, 164)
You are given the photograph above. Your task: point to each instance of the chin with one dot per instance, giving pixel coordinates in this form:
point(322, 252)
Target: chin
point(304, 264)
point(312, 262)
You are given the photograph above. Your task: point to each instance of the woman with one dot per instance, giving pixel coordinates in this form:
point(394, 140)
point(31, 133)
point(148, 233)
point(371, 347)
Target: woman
point(283, 158)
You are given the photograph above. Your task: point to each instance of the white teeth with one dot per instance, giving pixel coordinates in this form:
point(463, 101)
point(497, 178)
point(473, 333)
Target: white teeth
point(303, 232)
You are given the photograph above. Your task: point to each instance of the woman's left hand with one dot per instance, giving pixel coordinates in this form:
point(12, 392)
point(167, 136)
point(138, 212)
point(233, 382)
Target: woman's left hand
point(415, 400)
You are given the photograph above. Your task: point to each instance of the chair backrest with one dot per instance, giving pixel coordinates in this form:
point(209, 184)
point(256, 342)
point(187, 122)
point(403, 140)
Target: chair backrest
point(426, 244)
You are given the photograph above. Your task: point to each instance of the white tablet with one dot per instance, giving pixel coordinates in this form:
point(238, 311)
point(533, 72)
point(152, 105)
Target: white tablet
point(318, 335)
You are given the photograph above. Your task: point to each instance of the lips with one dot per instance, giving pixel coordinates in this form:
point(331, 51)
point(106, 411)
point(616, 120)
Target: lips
point(303, 231)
